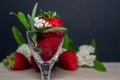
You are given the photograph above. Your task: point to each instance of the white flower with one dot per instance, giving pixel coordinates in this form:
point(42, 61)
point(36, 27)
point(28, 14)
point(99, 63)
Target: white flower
point(43, 21)
point(90, 60)
point(25, 50)
point(85, 57)
point(46, 24)
point(87, 48)
point(39, 23)
point(81, 61)
point(36, 19)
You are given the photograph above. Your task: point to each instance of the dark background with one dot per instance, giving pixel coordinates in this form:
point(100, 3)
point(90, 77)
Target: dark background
point(85, 19)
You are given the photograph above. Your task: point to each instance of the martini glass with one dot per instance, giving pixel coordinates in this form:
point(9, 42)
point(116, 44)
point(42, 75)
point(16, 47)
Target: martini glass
point(45, 65)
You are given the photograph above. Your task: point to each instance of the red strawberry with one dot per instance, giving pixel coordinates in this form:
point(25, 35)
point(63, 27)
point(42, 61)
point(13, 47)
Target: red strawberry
point(52, 18)
point(17, 61)
point(34, 64)
point(48, 43)
point(55, 22)
point(68, 60)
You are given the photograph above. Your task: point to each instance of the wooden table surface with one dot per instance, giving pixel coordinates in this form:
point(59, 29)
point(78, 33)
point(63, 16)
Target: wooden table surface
point(113, 73)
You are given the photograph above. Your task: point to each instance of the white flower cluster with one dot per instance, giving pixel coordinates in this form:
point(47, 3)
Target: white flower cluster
point(39, 23)
point(85, 58)
point(25, 50)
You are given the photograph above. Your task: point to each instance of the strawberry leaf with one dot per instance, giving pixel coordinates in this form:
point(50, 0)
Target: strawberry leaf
point(94, 45)
point(67, 44)
point(23, 20)
point(54, 14)
point(18, 36)
point(5, 62)
point(34, 10)
point(37, 50)
point(55, 29)
point(31, 22)
point(49, 14)
point(99, 66)
point(32, 36)
point(73, 47)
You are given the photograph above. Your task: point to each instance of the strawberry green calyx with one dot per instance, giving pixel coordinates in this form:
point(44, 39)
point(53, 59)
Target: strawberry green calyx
point(9, 61)
point(5, 62)
point(17, 61)
point(48, 14)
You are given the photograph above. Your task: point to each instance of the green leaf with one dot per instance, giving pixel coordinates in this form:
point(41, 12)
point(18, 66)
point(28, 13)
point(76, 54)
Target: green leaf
point(67, 44)
point(18, 36)
point(32, 36)
point(34, 10)
point(99, 66)
point(23, 20)
point(31, 22)
point(54, 14)
point(48, 14)
point(55, 29)
point(41, 13)
point(37, 50)
point(13, 13)
point(5, 62)
point(73, 48)
point(94, 45)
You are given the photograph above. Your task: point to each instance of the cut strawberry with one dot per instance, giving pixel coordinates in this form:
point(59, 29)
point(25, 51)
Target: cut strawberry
point(68, 60)
point(17, 61)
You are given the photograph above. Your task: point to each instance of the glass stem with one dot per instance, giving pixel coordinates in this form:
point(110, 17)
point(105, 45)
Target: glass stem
point(45, 69)
point(45, 76)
